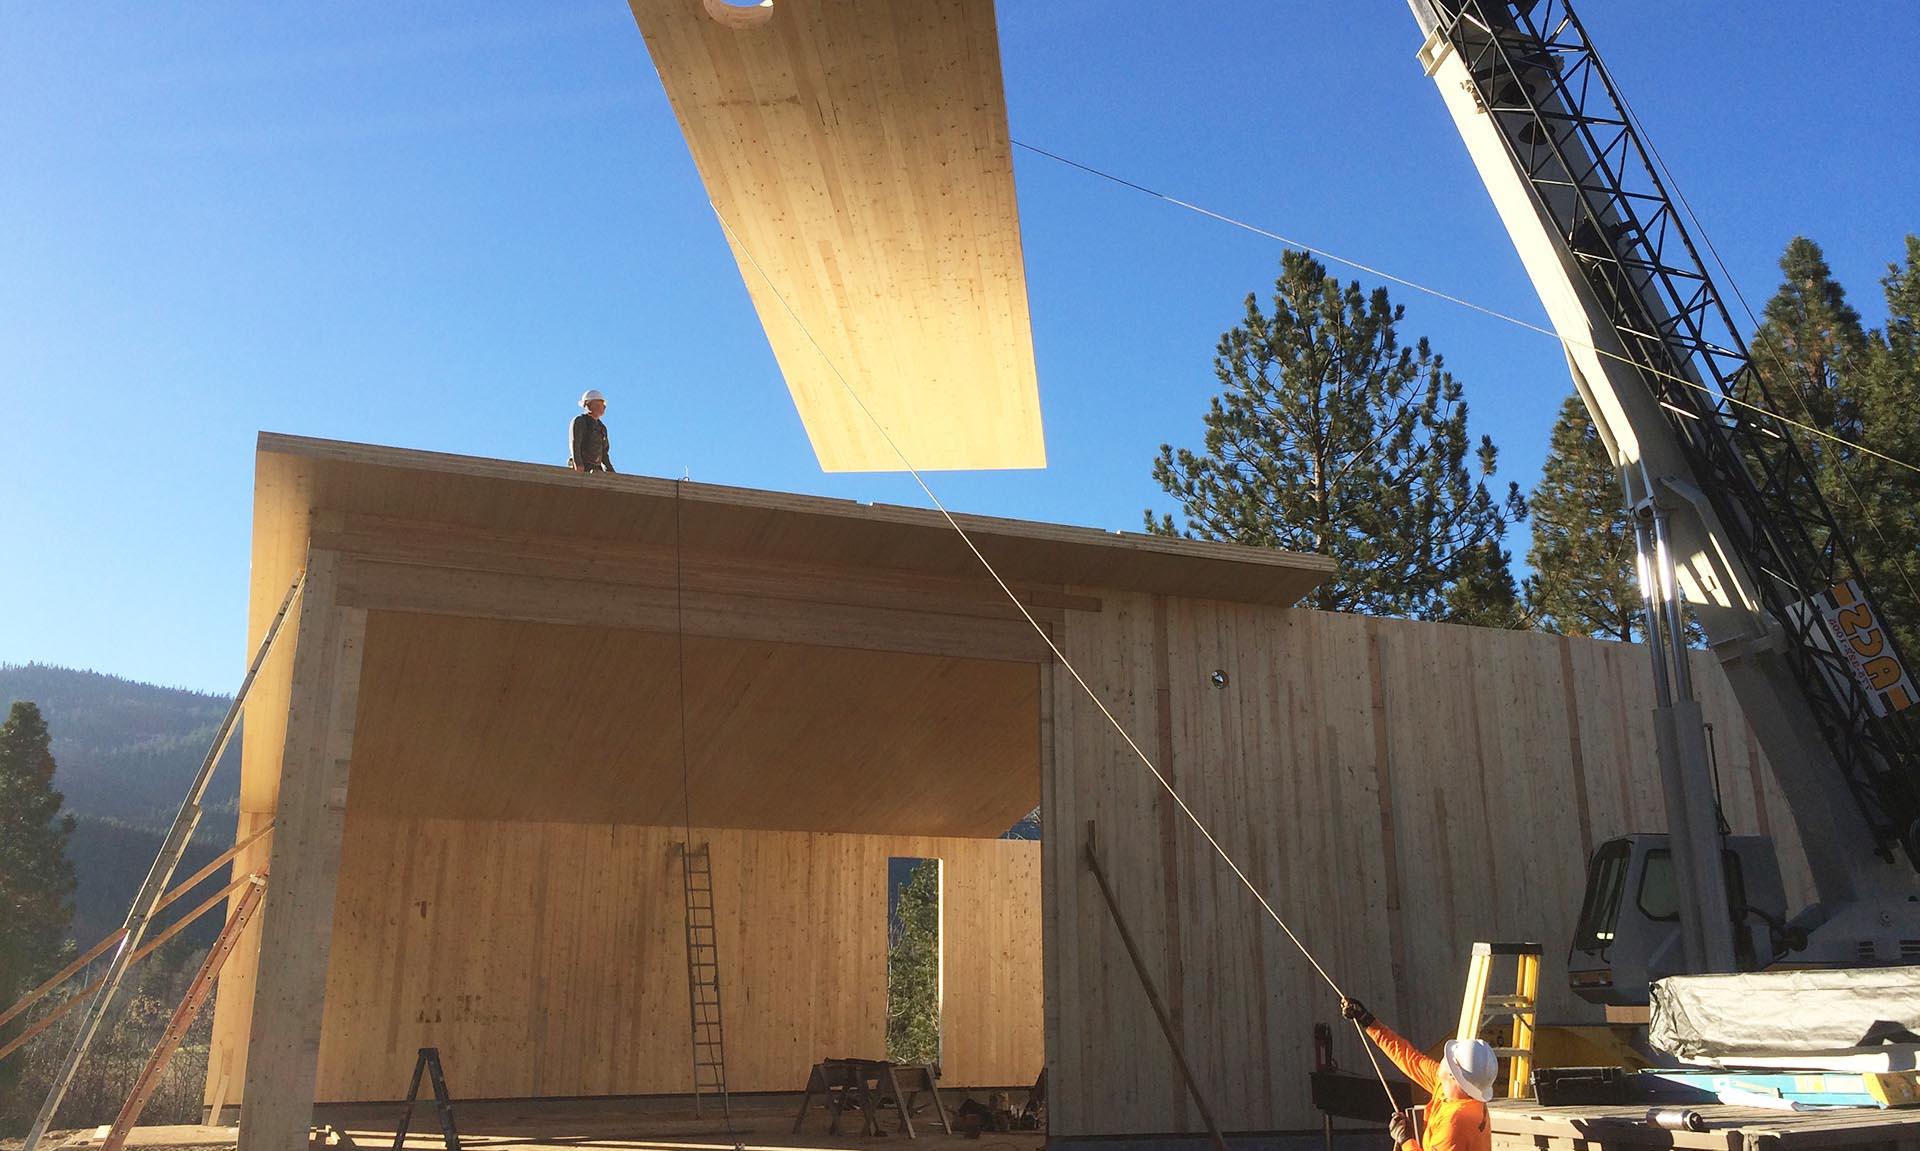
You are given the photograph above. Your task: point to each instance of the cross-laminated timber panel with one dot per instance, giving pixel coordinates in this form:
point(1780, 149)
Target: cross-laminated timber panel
point(547, 959)
point(1398, 790)
point(858, 153)
point(527, 597)
point(508, 720)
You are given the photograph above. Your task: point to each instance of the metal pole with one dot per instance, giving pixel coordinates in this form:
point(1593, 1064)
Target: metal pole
point(147, 901)
point(1153, 995)
point(1686, 776)
point(1646, 561)
point(1670, 593)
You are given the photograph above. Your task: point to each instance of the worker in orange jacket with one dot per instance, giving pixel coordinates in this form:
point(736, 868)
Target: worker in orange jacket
point(1460, 1082)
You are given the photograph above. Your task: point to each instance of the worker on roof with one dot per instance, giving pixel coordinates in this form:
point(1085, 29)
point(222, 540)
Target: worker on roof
point(589, 438)
point(1460, 1082)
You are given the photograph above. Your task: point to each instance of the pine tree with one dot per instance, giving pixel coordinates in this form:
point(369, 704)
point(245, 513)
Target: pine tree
point(1485, 594)
point(1330, 437)
point(1890, 425)
point(1823, 369)
point(913, 969)
point(1810, 347)
point(36, 878)
point(1584, 580)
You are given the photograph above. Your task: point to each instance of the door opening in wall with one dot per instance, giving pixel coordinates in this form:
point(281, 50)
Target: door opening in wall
point(913, 960)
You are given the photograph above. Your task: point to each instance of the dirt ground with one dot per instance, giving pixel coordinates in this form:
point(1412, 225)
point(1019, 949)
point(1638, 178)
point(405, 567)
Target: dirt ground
point(758, 1122)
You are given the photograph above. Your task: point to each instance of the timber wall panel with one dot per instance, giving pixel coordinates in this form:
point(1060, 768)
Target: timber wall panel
point(548, 959)
point(1398, 790)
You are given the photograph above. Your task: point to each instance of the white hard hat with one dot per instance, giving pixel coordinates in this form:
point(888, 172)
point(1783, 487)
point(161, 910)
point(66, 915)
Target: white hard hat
point(1472, 1065)
point(590, 395)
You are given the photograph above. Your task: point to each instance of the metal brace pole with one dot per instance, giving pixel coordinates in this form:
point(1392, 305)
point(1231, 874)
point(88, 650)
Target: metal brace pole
point(146, 903)
point(1153, 995)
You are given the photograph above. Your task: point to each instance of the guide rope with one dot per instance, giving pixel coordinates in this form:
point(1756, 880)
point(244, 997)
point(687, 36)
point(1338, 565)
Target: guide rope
point(1843, 467)
point(1166, 785)
point(1439, 294)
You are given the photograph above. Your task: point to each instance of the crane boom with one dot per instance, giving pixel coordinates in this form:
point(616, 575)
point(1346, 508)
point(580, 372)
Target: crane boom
point(1689, 422)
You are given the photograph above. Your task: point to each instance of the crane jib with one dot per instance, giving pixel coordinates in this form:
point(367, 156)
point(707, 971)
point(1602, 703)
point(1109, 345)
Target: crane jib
point(1564, 131)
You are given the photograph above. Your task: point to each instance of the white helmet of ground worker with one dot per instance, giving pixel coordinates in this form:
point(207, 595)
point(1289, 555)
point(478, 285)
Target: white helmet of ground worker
point(1471, 1064)
point(590, 395)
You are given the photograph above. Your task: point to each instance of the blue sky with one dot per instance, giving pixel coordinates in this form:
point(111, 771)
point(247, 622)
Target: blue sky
point(433, 224)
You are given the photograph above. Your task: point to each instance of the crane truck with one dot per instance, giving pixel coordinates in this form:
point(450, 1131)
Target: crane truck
point(1728, 521)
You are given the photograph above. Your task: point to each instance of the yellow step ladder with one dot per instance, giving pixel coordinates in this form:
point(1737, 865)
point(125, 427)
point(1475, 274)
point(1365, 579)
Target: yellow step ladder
point(1479, 1009)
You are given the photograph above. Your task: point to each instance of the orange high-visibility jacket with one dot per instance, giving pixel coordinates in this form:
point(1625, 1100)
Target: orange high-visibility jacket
point(1451, 1124)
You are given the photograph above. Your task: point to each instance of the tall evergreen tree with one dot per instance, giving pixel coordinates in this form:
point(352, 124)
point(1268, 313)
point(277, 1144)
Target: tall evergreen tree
point(1583, 581)
point(1810, 347)
point(1329, 436)
point(913, 969)
point(36, 878)
point(1890, 425)
point(1822, 368)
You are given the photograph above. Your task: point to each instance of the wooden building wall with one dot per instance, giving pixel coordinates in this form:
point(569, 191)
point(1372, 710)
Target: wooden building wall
point(1398, 790)
point(548, 959)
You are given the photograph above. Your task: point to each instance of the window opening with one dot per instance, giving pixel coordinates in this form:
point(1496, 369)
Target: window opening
point(1602, 907)
point(914, 965)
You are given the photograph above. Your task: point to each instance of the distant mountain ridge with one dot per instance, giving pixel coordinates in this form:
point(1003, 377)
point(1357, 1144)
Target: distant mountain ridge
point(124, 755)
point(125, 750)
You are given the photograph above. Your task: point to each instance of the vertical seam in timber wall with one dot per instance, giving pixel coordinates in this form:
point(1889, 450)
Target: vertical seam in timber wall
point(1169, 842)
point(1383, 788)
point(1623, 734)
point(1575, 755)
point(1470, 680)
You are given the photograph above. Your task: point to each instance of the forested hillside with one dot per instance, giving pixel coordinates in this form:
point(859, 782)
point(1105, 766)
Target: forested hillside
point(126, 750)
point(125, 753)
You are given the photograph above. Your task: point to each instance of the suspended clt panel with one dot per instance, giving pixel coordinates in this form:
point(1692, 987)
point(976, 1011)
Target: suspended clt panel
point(857, 152)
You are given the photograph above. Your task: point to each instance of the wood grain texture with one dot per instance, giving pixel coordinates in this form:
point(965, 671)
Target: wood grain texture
point(858, 152)
point(296, 922)
point(548, 959)
point(603, 516)
point(502, 720)
point(1398, 790)
point(849, 668)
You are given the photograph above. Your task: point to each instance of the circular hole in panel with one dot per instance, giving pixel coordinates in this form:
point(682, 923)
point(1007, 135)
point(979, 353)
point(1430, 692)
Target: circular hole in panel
point(740, 13)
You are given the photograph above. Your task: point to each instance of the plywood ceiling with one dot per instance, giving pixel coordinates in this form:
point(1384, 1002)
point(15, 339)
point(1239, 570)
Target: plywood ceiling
point(858, 153)
point(504, 720)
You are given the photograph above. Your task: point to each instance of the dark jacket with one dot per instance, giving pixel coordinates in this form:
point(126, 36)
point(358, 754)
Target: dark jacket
point(590, 445)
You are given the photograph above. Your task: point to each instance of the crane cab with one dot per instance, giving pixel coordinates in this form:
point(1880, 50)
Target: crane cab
point(1628, 934)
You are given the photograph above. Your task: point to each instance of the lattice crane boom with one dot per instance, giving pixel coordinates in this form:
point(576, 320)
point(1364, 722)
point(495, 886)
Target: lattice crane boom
point(1693, 427)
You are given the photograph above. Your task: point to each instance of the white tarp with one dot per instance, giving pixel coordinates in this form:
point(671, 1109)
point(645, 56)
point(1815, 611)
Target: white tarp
point(1714, 1017)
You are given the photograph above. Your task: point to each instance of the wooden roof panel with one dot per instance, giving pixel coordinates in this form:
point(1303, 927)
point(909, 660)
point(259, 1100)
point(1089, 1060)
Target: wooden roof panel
point(296, 474)
point(858, 154)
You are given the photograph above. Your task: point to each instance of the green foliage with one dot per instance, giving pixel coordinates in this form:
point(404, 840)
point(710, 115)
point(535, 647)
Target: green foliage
point(913, 969)
point(1823, 369)
point(1582, 556)
point(111, 859)
point(127, 750)
point(36, 878)
point(1810, 346)
point(133, 1025)
point(1329, 436)
point(1889, 495)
